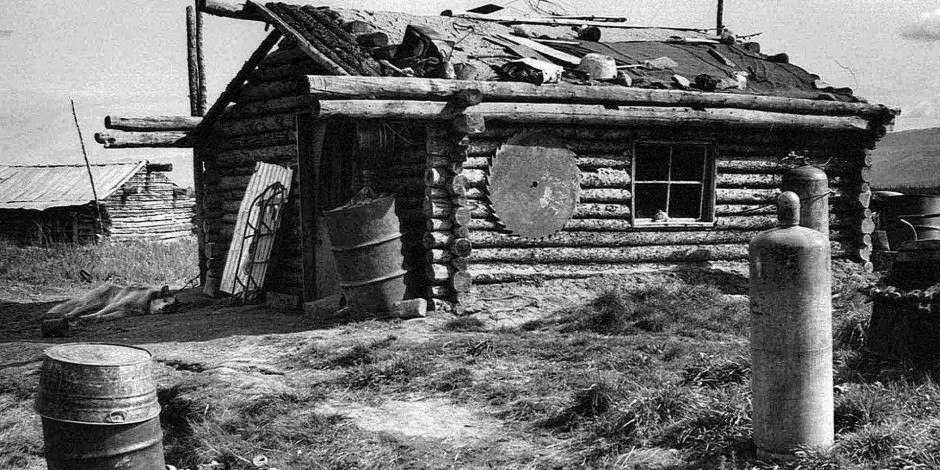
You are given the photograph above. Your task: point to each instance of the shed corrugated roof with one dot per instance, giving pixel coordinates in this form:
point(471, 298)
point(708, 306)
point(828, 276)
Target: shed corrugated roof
point(40, 187)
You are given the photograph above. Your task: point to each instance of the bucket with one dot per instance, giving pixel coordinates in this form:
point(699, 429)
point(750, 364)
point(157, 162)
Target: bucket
point(99, 408)
point(367, 247)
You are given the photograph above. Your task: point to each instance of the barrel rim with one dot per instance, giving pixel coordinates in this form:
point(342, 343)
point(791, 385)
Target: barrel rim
point(49, 354)
point(375, 201)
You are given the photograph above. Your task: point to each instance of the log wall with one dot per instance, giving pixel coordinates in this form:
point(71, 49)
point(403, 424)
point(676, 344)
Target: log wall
point(149, 207)
point(260, 125)
point(600, 238)
point(57, 225)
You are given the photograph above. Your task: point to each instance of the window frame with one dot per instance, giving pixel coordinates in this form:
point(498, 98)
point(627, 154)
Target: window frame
point(708, 183)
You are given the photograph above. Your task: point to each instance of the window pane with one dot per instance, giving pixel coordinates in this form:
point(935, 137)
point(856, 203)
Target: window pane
point(652, 162)
point(688, 162)
point(685, 201)
point(650, 198)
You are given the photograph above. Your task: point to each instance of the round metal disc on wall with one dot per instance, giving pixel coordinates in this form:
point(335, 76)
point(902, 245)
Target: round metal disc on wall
point(534, 184)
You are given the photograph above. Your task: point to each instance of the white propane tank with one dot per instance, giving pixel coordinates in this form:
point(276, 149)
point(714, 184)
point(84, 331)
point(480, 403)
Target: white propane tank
point(791, 335)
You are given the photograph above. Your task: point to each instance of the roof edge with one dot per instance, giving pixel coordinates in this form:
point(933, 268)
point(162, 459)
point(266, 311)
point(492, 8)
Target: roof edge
point(330, 87)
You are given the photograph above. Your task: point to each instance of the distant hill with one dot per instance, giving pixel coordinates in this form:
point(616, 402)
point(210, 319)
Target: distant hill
point(907, 158)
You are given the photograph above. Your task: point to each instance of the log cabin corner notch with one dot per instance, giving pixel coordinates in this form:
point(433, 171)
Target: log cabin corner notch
point(335, 106)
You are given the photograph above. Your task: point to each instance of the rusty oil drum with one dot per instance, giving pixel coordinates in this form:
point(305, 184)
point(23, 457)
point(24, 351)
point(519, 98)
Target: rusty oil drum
point(99, 408)
point(910, 217)
point(367, 247)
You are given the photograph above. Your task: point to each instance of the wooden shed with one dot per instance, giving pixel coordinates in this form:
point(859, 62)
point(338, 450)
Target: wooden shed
point(676, 160)
point(42, 204)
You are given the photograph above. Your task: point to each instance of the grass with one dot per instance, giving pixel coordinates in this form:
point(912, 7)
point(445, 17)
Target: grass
point(59, 266)
point(652, 374)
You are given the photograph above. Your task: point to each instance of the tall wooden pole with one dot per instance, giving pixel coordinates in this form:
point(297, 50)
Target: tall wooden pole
point(201, 67)
point(91, 178)
point(720, 21)
point(192, 61)
point(197, 98)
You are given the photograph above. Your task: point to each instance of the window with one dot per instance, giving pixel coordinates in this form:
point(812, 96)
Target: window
point(673, 184)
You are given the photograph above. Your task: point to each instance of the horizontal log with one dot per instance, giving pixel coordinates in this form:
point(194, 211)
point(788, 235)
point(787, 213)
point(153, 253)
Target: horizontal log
point(124, 140)
point(245, 159)
point(596, 255)
point(481, 239)
point(745, 209)
point(605, 178)
point(287, 104)
point(606, 255)
point(251, 141)
point(263, 91)
point(583, 162)
point(756, 181)
point(589, 114)
point(605, 195)
point(256, 125)
point(746, 196)
point(585, 210)
point(404, 88)
point(240, 10)
point(151, 123)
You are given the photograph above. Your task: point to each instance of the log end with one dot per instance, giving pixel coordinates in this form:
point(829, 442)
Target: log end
point(462, 281)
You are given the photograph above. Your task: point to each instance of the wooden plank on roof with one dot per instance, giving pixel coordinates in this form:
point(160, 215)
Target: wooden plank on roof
point(302, 42)
point(549, 52)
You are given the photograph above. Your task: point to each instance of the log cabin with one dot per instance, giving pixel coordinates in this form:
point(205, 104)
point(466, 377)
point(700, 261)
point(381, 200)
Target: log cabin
point(503, 170)
point(42, 204)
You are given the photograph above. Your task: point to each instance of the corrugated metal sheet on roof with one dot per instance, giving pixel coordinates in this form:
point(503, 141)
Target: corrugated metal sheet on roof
point(42, 187)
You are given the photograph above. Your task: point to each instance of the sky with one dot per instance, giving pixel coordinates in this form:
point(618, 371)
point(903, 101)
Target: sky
point(129, 57)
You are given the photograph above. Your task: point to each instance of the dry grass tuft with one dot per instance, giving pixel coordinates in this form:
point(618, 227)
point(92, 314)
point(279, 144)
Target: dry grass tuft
point(465, 324)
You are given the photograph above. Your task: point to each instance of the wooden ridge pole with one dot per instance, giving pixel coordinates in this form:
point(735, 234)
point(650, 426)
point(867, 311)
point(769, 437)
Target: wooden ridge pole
point(91, 177)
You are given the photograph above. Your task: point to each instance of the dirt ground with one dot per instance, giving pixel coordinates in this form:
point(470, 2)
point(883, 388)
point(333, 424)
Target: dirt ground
point(252, 349)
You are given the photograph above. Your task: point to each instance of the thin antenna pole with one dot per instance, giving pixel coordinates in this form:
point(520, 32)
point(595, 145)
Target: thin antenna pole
point(720, 21)
point(91, 178)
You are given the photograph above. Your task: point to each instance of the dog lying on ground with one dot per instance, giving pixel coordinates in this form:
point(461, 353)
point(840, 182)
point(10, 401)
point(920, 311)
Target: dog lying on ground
point(109, 302)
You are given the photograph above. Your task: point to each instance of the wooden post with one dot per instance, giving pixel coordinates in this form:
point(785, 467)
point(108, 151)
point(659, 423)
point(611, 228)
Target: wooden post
point(310, 135)
point(200, 67)
point(192, 61)
point(719, 23)
point(193, 54)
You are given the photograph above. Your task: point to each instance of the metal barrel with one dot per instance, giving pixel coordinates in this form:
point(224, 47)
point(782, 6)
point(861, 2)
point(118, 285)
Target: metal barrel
point(791, 336)
point(80, 446)
point(99, 407)
point(812, 186)
point(367, 247)
point(908, 217)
